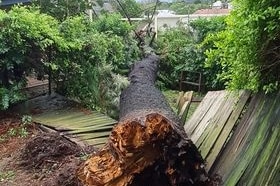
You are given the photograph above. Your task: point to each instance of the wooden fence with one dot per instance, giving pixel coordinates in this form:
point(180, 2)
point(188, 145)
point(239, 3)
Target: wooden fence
point(69, 119)
point(238, 135)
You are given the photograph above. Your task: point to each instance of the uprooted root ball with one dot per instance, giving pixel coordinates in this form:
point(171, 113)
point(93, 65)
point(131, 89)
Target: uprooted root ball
point(54, 158)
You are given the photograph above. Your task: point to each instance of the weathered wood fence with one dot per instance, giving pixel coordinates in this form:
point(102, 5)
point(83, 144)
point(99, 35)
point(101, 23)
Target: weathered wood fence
point(238, 135)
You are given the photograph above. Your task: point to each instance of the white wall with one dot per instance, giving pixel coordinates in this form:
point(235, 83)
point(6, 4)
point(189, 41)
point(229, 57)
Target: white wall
point(173, 21)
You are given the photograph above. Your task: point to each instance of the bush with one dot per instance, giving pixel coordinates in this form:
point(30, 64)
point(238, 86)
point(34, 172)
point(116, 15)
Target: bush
point(172, 44)
point(110, 24)
point(184, 49)
point(96, 53)
point(248, 50)
point(83, 57)
point(25, 38)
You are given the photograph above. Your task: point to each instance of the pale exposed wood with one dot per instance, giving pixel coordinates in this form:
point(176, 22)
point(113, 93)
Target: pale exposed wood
point(187, 96)
point(225, 133)
point(208, 109)
point(184, 105)
point(180, 95)
point(132, 154)
point(184, 111)
point(215, 126)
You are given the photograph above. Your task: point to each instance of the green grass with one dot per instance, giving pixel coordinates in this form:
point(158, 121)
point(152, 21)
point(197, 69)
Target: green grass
point(8, 175)
point(171, 97)
point(20, 131)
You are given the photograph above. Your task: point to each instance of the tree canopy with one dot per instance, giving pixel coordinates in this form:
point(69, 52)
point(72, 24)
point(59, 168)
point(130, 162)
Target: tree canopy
point(83, 56)
point(128, 8)
point(183, 48)
point(249, 48)
point(62, 9)
point(25, 37)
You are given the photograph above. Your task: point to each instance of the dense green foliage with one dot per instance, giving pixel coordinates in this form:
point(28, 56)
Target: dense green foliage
point(128, 8)
point(88, 70)
point(62, 9)
point(172, 44)
point(181, 7)
point(204, 27)
point(183, 49)
point(25, 38)
point(111, 25)
point(249, 48)
point(81, 55)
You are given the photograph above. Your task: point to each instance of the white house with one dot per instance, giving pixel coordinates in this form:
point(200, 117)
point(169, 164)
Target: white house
point(230, 6)
point(217, 5)
point(163, 21)
point(168, 19)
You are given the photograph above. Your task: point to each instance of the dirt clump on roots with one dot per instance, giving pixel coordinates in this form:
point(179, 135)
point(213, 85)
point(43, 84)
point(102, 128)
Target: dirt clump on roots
point(46, 148)
point(37, 158)
point(53, 159)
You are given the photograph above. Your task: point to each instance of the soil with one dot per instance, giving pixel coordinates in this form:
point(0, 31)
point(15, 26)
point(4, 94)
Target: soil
point(38, 158)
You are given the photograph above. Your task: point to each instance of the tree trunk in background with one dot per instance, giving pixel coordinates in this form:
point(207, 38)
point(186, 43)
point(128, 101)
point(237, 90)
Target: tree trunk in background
point(149, 145)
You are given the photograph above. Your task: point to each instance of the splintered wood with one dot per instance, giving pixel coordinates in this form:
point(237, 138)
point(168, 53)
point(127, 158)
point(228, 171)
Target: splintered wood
point(149, 145)
point(135, 145)
point(131, 148)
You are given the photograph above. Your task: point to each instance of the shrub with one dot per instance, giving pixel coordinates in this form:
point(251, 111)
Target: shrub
point(25, 38)
point(83, 57)
point(184, 49)
point(249, 49)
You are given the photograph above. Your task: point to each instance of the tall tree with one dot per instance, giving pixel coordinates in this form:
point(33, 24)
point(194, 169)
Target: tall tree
point(26, 38)
point(249, 48)
point(128, 8)
point(62, 9)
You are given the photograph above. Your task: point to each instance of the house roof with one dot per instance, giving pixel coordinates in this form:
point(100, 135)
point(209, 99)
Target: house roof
point(212, 11)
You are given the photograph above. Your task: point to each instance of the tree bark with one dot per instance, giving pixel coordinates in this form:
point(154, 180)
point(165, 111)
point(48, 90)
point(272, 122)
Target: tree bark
point(148, 146)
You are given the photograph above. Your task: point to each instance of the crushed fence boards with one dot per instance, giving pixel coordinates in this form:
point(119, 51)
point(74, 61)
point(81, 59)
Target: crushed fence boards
point(239, 134)
point(226, 116)
point(225, 133)
point(201, 113)
point(183, 104)
point(69, 118)
point(215, 124)
point(251, 156)
point(95, 126)
point(93, 129)
point(80, 119)
point(217, 113)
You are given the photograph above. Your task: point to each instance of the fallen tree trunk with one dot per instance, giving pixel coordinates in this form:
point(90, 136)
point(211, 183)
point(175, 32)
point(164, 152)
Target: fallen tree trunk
point(149, 145)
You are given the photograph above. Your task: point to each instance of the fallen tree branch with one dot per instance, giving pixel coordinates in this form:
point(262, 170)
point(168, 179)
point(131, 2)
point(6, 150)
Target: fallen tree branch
point(151, 20)
point(141, 40)
point(148, 146)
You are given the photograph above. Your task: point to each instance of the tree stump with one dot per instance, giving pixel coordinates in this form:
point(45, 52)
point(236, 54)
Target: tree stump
point(148, 146)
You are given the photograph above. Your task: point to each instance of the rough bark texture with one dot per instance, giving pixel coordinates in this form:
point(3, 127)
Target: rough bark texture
point(149, 145)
